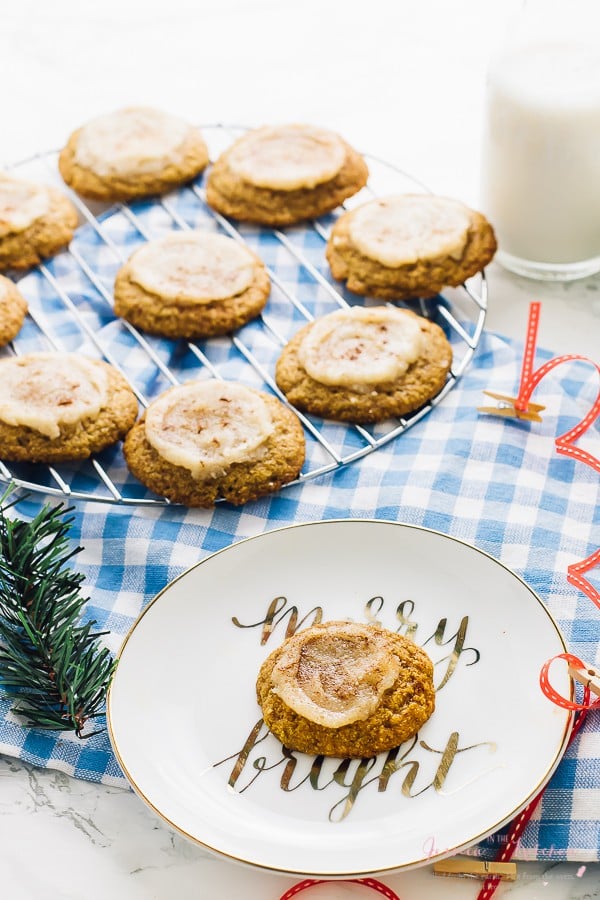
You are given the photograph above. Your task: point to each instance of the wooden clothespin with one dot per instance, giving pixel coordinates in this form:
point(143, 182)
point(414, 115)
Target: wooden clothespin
point(465, 867)
point(507, 406)
point(588, 676)
point(520, 407)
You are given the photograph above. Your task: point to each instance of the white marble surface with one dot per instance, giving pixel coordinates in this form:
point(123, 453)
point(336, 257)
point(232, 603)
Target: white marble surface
point(404, 80)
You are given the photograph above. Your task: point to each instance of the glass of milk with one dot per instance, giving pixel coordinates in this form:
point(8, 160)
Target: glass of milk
point(541, 151)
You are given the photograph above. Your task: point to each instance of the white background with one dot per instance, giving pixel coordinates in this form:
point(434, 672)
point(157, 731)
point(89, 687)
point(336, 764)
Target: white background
point(403, 79)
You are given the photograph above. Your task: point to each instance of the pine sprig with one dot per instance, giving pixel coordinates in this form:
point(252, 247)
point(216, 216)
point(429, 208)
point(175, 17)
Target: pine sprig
point(49, 661)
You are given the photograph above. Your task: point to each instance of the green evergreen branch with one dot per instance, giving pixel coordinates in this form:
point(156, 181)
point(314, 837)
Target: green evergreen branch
point(50, 662)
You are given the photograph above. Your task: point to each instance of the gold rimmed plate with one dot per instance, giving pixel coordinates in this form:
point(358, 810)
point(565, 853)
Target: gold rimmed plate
point(188, 733)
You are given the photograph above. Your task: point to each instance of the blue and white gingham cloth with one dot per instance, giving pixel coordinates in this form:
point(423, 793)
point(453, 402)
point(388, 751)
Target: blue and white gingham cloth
point(497, 484)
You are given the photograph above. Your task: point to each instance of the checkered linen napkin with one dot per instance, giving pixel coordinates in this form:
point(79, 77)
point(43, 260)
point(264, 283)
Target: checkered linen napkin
point(496, 484)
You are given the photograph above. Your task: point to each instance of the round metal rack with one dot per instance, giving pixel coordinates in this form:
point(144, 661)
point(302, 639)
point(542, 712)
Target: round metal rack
point(71, 308)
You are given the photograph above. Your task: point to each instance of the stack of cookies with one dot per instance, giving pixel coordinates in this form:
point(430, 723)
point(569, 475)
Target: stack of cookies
point(208, 440)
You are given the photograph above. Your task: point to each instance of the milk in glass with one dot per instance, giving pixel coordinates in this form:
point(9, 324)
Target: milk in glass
point(541, 154)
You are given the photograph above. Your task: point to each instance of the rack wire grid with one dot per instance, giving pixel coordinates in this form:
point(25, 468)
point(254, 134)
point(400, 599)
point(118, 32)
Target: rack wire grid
point(71, 309)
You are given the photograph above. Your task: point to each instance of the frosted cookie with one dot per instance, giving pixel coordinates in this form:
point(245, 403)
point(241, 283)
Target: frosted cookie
point(133, 152)
point(278, 175)
point(191, 284)
point(346, 689)
point(208, 440)
point(411, 245)
point(36, 221)
point(13, 308)
point(56, 407)
point(364, 364)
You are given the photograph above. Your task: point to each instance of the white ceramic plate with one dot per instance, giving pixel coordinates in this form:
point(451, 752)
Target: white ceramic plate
point(187, 731)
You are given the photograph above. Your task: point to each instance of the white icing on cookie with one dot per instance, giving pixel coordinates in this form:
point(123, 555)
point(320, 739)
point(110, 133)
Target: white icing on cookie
point(193, 266)
point(46, 390)
point(21, 203)
point(287, 157)
point(397, 231)
point(205, 426)
point(361, 346)
point(129, 141)
point(336, 675)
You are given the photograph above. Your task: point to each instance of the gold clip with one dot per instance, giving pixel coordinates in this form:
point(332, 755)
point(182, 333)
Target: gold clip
point(589, 676)
point(464, 867)
point(507, 407)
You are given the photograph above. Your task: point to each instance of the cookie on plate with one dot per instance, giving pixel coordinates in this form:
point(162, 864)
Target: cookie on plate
point(364, 364)
point(133, 152)
point(56, 407)
point(204, 441)
point(191, 284)
point(36, 221)
point(279, 175)
point(410, 245)
point(13, 308)
point(346, 689)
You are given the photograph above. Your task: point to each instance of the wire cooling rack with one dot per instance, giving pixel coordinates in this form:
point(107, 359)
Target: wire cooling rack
point(71, 308)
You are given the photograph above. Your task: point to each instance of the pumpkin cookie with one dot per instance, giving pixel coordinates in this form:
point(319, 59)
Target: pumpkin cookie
point(56, 407)
point(364, 364)
point(13, 308)
point(346, 689)
point(35, 221)
point(411, 245)
point(208, 440)
point(191, 284)
point(133, 152)
point(284, 174)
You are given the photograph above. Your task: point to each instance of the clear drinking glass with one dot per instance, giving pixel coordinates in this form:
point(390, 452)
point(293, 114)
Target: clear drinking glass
point(541, 149)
